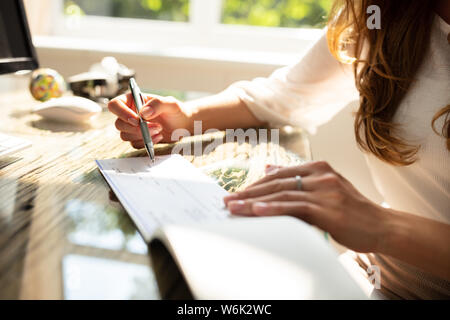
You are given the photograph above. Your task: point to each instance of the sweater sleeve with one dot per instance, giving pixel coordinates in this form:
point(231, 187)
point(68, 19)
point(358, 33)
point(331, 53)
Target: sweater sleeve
point(306, 94)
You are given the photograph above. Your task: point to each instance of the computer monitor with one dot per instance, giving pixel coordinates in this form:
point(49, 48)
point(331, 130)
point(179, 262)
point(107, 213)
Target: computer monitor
point(16, 49)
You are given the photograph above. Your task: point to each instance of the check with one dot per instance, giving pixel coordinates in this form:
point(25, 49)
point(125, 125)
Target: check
point(170, 191)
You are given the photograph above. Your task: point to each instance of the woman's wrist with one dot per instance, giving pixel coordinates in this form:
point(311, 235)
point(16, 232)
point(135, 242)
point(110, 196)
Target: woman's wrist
point(393, 232)
point(188, 109)
point(417, 241)
point(198, 110)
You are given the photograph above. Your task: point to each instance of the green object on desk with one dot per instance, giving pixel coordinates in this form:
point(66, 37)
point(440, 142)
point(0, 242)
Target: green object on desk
point(230, 178)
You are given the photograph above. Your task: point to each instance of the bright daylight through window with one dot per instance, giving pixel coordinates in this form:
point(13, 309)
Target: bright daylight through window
point(268, 13)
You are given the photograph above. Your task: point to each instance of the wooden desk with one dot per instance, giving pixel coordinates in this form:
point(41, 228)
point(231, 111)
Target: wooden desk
point(61, 236)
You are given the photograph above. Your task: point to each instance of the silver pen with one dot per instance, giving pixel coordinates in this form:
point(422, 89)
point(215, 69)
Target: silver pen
point(138, 102)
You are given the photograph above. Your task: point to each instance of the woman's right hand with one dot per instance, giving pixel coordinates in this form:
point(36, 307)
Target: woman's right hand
point(163, 116)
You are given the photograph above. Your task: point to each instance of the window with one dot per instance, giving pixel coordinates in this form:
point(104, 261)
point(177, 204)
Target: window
point(167, 10)
point(280, 26)
point(276, 13)
point(267, 13)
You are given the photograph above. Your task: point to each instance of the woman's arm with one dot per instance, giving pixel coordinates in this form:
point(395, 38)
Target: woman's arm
point(166, 114)
point(332, 203)
point(306, 94)
point(221, 111)
point(418, 241)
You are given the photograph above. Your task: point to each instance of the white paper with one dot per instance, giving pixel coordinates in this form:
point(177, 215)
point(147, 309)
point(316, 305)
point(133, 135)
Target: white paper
point(170, 191)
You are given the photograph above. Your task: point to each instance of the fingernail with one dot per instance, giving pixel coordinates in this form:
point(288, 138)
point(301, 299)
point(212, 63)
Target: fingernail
point(147, 112)
point(157, 138)
point(271, 171)
point(133, 122)
point(236, 206)
point(230, 197)
point(260, 207)
point(155, 130)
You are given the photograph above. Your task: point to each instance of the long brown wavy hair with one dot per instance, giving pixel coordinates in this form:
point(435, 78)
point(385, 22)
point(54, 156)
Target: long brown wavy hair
point(385, 62)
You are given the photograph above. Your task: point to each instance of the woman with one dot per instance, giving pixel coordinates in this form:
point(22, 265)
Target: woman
point(401, 74)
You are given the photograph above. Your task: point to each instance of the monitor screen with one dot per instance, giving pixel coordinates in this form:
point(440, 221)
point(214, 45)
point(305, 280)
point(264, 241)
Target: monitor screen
point(16, 49)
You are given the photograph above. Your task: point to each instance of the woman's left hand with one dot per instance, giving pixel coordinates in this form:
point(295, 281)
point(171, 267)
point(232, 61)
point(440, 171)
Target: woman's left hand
point(326, 199)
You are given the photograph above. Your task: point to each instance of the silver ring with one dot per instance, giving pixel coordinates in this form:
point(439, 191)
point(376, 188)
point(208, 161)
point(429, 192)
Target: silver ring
point(298, 180)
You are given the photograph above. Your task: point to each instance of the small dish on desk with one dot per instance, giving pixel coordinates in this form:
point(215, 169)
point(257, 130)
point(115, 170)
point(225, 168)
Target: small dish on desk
point(69, 109)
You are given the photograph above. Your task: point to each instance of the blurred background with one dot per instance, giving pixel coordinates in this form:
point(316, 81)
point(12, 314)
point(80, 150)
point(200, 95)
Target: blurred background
point(268, 13)
point(179, 46)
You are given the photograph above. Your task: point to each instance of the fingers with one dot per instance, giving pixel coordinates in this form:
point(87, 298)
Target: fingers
point(259, 190)
point(129, 100)
point(123, 126)
point(158, 105)
point(283, 172)
point(126, 136)
point(128, 121)
point(245, 207)
point(270, 167)
point(124, 109)
point(307, 211)
point(315, 176)
point(309, 168)
point(139, 144)
point(308, 184)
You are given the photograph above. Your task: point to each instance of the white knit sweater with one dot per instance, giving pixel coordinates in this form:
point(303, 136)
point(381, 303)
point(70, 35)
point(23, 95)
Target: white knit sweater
point(310, 92)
